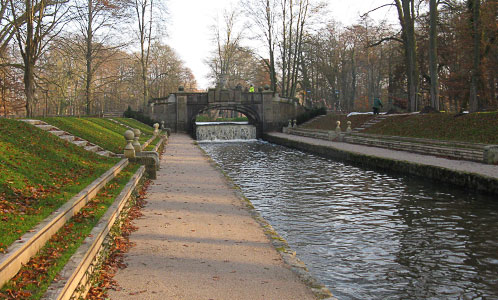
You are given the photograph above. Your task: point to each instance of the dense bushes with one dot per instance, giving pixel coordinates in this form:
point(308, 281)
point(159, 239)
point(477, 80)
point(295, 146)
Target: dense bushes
point(139, 116)
point(310, 114)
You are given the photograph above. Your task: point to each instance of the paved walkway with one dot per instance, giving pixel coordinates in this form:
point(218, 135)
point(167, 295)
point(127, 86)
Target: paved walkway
point(197, 241)
point(457, 165)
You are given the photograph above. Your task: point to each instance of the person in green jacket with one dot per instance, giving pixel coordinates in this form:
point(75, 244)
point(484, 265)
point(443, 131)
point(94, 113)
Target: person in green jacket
point(251, 89)
point(377, 105)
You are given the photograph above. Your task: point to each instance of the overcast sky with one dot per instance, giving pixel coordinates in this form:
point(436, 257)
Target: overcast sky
point(190, 20)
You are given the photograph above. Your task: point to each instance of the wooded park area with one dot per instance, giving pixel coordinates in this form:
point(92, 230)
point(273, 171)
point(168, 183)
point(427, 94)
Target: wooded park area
point(87, 57)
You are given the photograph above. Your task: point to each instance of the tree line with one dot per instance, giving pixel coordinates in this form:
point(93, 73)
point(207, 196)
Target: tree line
point(84, 57)
point(441, 54)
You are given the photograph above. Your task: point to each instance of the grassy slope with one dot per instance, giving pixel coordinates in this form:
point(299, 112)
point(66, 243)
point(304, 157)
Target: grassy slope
point(474, 128)
point(102, 132)
point(136, 124)
point(39, 173)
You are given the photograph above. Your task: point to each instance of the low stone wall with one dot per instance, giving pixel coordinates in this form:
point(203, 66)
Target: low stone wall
point(467, 180)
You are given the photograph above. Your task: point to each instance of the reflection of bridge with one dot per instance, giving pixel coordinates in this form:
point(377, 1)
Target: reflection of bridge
point(266, 111)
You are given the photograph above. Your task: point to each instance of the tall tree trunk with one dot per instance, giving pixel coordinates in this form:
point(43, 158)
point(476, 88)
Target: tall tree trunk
point(474, 83)
point(406, 15)
point(89, 58)
point(433, 61)
point(353, 78)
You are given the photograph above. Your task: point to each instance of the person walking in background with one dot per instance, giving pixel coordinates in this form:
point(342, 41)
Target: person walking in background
point(251, 89)
point(377, 105)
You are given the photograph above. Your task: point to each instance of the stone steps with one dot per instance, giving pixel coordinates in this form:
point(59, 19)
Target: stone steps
point(370, 123)
point(88, 146)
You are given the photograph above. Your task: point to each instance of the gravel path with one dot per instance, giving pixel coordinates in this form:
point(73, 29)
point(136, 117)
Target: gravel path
point(458, 165)
point(197, 241)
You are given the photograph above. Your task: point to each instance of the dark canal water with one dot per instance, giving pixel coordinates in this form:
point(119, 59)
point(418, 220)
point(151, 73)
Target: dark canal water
point(366, 234)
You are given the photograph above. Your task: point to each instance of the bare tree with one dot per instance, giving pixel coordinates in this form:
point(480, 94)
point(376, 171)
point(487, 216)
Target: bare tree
point(474, 7)
point(433, 61)
point(33, 35)
point(96, 21)
point(145, 11)
point(263, 14)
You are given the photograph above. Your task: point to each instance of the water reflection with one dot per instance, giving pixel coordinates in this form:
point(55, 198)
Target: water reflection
point(370, 235)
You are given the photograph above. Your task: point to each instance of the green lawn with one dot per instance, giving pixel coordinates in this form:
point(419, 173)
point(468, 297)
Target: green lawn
point(136, 124)
point(39, 172)
point(103, 132)
point(474, 128)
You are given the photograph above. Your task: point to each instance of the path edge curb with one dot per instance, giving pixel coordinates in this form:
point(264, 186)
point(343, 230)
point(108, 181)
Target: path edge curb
point(75, 278)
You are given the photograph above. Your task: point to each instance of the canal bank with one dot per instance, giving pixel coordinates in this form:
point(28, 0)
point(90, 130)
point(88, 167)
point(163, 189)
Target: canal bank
point(198, 240)
point(466, 174)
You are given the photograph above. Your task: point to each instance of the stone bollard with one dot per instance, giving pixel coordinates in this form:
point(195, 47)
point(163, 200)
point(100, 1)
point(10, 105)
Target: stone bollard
point(156, 129)
point(129, 150)
point(348, 130)
point(290, 124)
point(490, 155)
point(338, 127)
point(162, 124)
point(295, 123)
point(136, 143)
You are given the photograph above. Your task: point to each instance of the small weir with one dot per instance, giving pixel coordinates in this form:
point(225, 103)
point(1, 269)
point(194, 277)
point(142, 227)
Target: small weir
point(224, 131)
point(368, 234)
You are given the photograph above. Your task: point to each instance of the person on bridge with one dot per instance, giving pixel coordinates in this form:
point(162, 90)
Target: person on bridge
point(251, 89)
point(377, 105)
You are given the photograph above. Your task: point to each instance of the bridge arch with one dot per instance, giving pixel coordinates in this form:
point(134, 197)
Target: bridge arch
point(252, 115)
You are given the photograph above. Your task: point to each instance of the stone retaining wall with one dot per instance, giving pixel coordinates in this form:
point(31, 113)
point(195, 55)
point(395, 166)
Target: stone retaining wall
point(472, 181)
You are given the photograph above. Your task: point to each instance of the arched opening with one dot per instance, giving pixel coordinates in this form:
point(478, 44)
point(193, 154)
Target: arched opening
point(226, 115)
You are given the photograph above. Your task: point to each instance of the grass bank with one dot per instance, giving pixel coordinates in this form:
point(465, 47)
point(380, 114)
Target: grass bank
point(39, 173)
point(102, 132)
point(36, 276)
point(474, 127)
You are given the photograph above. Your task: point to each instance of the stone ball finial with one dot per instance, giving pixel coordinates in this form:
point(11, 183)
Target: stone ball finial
point(266, 87)
point(349, 127)
point(136, 143)
point(338, 128)
point(129, 135)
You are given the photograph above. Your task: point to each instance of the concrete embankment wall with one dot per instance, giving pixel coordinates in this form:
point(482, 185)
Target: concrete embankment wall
point(467, 180)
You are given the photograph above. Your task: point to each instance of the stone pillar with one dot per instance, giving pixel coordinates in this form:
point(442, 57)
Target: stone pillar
point(136, 143)
point(162, 124)
point(338, 128)
point(181, 112)
point(129, 150)
point(348, 130)
point(156, 129)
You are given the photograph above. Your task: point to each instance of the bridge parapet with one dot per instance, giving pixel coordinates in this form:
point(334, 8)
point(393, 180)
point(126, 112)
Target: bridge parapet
point(264, 109)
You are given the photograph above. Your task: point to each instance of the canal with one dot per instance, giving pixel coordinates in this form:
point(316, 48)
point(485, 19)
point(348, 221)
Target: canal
point(368, 234)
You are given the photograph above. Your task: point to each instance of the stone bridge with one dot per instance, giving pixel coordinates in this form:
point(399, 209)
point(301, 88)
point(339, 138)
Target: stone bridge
point(264, 109)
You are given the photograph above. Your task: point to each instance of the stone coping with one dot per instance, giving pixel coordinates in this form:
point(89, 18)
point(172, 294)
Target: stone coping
point(463, 176)
point(21, 251)
point(455, 150)
point(74, 279)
